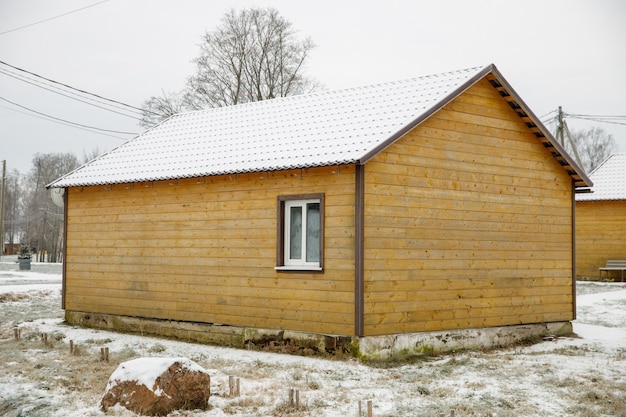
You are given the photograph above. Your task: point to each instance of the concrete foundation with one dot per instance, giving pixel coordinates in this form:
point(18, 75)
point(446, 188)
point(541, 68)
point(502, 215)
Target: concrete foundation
point(366, 348)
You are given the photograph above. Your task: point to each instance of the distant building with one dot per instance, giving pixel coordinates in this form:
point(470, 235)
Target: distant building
point(11, 249)
point(601, 218)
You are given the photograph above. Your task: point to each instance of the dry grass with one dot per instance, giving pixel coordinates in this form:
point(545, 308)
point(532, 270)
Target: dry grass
point(49, 380)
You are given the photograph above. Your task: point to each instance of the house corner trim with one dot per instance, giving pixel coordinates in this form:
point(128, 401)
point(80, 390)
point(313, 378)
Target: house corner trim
point(359, 220)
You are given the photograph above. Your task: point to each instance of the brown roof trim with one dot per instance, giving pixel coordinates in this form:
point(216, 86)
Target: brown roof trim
point(581, 180)
point(434, 109)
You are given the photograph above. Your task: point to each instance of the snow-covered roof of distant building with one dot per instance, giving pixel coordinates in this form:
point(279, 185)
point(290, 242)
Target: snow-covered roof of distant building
point(323, 129)
point(609, 180)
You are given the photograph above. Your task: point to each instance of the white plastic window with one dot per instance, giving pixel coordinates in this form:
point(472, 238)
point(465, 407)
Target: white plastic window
point(302, 233)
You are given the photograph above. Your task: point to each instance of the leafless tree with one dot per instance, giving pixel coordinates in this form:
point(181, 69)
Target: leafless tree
point(12, 211)
point(43, 220)
point(252, 55)
point(594, 145)
point(159, 108)
point(88, 156)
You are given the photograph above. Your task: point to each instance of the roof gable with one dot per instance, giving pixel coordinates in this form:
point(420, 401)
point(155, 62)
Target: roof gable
point(609, 180)
point(327, 128)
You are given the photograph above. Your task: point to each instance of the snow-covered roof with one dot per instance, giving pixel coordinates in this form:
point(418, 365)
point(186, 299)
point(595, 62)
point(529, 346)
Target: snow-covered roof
point(322, 129)
point(609, 180)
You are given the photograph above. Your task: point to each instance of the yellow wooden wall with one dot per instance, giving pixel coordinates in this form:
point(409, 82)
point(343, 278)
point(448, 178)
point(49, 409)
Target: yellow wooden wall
point(600, 235)
point(467, 224)
point(205, 250)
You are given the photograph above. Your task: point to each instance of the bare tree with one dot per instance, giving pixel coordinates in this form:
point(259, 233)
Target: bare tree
point(253, 55)
point(88, 156)
point(594, 145)
point(159, 108)
point(43, 218)
point(12, 211)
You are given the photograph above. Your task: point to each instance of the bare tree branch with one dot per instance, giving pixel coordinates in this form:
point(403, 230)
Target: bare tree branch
point(252, 55)
point(594, 145)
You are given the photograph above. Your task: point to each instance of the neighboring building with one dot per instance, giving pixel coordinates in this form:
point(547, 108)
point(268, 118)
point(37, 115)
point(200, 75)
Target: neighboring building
point(11, 248)
point(601, 219)
point(438, 203)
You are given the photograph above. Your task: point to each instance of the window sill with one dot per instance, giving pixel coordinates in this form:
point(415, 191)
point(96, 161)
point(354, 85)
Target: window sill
point(299, 268)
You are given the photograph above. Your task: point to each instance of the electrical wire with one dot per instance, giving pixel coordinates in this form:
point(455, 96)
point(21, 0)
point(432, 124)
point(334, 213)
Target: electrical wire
point(77, 89)
point(547, 114)
point(63, 123)
point(599, 118)
point(617, 120)
point(52, 18)
point(46, 87)
point(66, 121)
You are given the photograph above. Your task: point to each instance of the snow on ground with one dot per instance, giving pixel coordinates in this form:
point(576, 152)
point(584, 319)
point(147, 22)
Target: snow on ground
point(582, 375)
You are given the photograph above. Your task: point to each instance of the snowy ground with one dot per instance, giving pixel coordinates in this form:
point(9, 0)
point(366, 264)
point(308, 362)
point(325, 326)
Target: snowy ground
point(583, 375)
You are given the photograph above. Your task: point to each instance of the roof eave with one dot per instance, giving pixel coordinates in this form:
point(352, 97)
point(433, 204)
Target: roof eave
point(581, 180)
point(434, 109)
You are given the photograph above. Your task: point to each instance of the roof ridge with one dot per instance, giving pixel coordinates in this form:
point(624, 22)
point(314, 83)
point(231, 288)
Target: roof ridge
point(331, 91)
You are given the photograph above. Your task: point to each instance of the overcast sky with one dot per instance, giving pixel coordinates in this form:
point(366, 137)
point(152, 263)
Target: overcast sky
point(567, 53)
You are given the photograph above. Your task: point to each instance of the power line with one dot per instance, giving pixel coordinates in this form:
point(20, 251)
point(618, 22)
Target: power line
point(612, 119)
point(52, 18)
point(76, 89)
point(63, 123)
point(66, 121)
point(547, 114)
point(599, 118)
point(82, 99)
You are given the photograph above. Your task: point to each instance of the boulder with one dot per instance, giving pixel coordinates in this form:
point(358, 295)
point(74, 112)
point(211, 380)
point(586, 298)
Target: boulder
point(158, 386)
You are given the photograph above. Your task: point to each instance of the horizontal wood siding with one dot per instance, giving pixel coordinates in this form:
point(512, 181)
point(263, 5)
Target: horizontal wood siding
point(467, 224)
point(600, 236)
point(204, 250)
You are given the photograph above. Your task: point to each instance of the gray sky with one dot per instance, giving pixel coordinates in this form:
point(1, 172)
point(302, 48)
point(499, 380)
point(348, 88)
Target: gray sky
point(569, 53)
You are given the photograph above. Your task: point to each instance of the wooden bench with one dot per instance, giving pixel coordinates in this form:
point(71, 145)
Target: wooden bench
point(613, 265)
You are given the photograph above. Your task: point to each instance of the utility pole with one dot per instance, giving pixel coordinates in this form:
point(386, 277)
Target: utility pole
point(561, 130)
point(4, 178)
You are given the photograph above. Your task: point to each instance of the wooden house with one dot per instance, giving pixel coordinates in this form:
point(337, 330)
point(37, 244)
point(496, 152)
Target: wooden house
point(435, 204)
point(601, 219)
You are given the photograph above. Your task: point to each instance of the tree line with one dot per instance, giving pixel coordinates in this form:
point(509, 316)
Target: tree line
point(30, 216)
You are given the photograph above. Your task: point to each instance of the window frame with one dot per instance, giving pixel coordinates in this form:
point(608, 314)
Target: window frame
point(282, 264)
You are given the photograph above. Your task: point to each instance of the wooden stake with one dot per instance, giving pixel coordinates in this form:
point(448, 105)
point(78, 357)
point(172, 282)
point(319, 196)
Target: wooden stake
point(297, 399)
point(291, 398)
point(106, 354)
point(17, 333)
point(369, 409)
point(44, 339)
point(233, 385)
point(360, 411)
point(71, 347)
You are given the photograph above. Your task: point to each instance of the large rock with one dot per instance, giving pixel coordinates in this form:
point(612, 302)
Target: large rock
point(157, 386)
